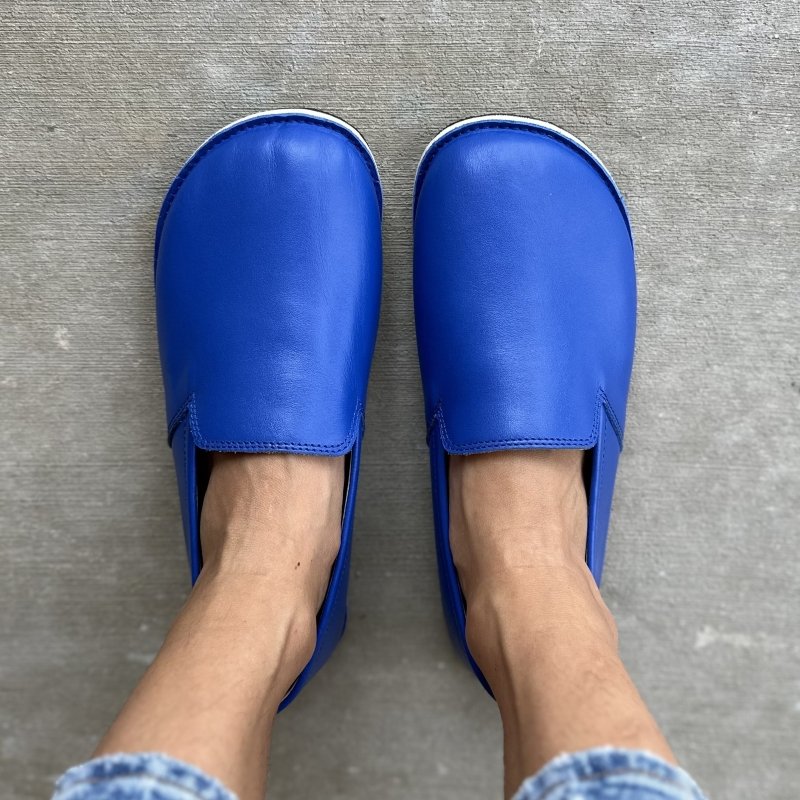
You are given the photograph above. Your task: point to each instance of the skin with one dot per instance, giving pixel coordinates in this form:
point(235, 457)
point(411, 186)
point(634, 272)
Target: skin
point(536, 623)
point(270, 531)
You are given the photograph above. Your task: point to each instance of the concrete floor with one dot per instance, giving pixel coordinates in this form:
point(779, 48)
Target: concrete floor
point(693, 106)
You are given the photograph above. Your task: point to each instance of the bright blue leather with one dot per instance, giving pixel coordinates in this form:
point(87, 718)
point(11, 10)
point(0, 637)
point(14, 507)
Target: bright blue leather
point(268, 281)
point(525, 302)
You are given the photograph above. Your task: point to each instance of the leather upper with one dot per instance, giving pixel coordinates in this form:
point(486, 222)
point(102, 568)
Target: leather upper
point(525, 304)
point(266, 292)
point(268, 283)
point(524, 291)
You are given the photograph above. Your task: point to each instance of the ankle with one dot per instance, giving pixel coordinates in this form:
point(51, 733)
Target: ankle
point(516, 510)
point(513, 620)
point(271, 629)
point(275, 517)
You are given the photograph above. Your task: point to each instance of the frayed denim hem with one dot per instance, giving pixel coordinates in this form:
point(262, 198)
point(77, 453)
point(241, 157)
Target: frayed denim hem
point(138, 776)
point(603, 773)
point(609, 773)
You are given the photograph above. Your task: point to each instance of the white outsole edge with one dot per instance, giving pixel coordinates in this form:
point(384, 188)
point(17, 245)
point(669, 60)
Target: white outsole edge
point(512, 118)
point(300, 112)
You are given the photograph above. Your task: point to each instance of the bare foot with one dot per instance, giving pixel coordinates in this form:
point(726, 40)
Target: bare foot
point(536, 623)
point(274, 520)
point(518, 523)
point(274, 515)
point(270, 530)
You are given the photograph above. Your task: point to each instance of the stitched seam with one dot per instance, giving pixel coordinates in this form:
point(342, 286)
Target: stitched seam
point(177, 417)
point(198, 157)
point(439, 414)
point(245, 444)
point(525, 128)
point(612, 418)
point(601, 402)
point(524, 440)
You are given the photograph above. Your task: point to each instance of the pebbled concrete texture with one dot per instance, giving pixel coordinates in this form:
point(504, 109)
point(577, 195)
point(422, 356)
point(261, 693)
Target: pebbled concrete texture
point(692, 106)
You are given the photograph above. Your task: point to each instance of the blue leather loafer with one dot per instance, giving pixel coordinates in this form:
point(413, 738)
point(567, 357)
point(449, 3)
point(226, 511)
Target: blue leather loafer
point(268, 282)
point(525, 303)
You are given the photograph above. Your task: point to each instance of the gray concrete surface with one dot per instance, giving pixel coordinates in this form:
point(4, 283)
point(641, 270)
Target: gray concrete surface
point(693, 106)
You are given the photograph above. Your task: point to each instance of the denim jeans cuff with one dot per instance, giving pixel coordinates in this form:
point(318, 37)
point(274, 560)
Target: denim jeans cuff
point(138, 776)
point(606, 772)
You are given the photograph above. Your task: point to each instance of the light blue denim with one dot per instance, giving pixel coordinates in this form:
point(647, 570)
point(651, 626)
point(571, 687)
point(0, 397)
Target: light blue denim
point(605, 773)
point(609, 773)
